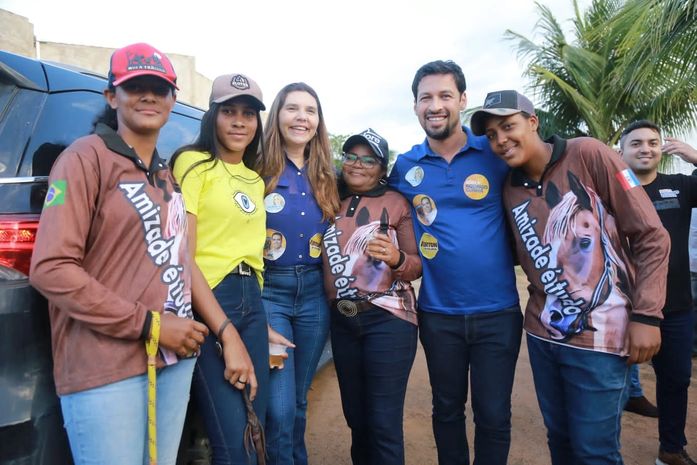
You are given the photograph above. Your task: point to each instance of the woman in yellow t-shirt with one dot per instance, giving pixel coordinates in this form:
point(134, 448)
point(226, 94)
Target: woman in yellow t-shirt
point(225, 209)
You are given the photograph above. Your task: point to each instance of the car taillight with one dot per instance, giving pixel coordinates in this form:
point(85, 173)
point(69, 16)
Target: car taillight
point(17, 236)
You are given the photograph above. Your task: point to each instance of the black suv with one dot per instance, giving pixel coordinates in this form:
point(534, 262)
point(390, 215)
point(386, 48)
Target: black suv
point(43, 108)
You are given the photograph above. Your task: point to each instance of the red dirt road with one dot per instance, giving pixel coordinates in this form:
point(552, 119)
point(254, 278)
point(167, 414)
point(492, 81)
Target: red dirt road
point(328, 438)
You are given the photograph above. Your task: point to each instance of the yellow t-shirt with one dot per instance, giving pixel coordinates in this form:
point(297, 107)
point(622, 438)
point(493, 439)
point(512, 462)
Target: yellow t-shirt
point(228, 201)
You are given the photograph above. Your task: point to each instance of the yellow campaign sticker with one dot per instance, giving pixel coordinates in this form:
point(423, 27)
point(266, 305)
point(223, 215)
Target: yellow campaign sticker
point(428, 245)
point(476, 186)
point(316, 245)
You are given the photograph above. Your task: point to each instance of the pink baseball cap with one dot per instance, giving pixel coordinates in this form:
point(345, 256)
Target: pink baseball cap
point(140, 60)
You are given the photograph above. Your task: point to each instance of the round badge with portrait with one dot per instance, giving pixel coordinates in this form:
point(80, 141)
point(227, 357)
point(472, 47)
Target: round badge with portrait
point(476, 186)
point(274, 245)
point(274, 202)
point(428, 246)
point(425, 208)
point(414, 176)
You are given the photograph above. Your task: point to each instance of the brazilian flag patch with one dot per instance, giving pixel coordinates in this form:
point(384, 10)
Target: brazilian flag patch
point(56, 193)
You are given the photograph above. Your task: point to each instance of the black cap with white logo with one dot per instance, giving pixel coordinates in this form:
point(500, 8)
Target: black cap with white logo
point(375, 141)
point(500, 103)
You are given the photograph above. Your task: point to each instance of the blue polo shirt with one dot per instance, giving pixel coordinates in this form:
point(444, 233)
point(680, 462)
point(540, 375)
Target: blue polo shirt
point(294, 226)
point(460, 227)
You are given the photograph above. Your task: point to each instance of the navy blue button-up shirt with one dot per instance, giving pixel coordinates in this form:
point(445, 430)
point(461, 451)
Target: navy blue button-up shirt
point(294, 225)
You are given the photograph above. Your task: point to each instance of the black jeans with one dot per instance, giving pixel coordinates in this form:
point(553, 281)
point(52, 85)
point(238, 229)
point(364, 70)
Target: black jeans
point(373, 354)
point(487, 345)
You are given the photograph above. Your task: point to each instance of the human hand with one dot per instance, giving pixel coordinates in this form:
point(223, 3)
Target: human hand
point(682, 149)
point(644, 342)
point(239, 370)
point(382, 248)
point(277, 338)
point(181, 335)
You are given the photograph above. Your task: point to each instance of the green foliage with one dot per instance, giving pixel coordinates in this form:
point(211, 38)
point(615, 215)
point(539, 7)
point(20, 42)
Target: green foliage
point(628, 60)
point(337, 141)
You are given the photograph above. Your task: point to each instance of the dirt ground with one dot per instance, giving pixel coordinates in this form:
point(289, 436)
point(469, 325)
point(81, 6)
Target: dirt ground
point(328, 437)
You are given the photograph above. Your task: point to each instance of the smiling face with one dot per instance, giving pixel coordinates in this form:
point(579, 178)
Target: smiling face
point(358, 177)
point(513, 138)
point(236, 126)
point(426, 206)
point(641, 150)
point(298, 119)
point(438, 105)
point(276, 241)
point(142, 104)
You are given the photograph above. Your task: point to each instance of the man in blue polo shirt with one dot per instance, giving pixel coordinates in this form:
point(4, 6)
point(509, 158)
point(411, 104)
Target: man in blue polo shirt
point(469, 318)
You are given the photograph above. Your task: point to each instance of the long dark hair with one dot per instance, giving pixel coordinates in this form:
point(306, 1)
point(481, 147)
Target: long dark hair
point(318, 154)
point(208, 136)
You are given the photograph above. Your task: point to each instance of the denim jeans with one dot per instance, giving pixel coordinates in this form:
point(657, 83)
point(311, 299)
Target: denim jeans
point(220, 404)
point(634, 385)
point(373, 354)
point(296, 307)
point(581, 395)
point(693, 279)
point(108, 424)
point(484, 348)
point(673, 367)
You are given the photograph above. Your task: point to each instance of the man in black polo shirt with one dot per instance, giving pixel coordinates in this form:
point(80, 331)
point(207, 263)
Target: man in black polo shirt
point(673, 196)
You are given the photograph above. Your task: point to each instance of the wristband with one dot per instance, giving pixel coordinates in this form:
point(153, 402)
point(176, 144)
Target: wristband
point(222, 328)
point(402, 257)
point(218, 344)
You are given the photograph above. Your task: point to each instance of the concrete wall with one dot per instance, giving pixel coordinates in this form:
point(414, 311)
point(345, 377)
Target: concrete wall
point(17, 36)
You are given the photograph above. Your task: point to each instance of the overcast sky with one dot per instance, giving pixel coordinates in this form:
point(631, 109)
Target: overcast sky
point(360, 56)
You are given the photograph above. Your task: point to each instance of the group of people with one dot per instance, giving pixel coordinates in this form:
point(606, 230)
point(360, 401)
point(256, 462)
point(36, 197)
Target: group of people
point(249, 237)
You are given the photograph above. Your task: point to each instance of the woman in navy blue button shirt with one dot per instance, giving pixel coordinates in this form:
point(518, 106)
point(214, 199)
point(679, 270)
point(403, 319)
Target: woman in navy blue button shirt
point(301, 199)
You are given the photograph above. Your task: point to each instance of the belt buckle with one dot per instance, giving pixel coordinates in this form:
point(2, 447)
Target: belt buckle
point(244, 269)
point(348, 308)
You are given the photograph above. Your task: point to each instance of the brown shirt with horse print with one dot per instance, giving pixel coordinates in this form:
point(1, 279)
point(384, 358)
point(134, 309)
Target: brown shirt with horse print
point(591, 244)
point(349, 273)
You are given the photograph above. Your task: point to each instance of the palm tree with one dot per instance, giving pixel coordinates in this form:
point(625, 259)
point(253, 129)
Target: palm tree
point(629, 59)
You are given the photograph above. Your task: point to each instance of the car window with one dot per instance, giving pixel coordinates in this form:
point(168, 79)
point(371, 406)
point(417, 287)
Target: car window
point(70, 115)
point(18, 112)
point(65, 117)
point(180, 130)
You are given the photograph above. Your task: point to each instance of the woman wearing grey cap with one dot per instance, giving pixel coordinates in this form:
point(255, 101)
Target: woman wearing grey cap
point(370, 257)
point(225, 210)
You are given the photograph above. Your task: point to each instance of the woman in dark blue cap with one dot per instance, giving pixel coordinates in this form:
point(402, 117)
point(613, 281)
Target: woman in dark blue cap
point(369, 259)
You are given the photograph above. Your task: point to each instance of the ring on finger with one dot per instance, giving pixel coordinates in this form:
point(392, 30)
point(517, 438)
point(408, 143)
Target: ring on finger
point(239, 381)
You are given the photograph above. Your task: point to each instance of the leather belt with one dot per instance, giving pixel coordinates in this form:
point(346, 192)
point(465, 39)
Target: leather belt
point(351, 308)
point(242, 269)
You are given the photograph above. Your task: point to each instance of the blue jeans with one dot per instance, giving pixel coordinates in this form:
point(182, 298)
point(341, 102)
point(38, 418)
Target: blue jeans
point(373, 354)
point(219, 403)
point(108, 424)
point(634, 385)
point(693, 279)
point(673, 367)
point(483, 347)
point(581, 395)
point(296, 307)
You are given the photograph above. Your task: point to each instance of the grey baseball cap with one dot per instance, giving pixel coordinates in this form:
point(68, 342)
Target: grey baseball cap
point(500, 103)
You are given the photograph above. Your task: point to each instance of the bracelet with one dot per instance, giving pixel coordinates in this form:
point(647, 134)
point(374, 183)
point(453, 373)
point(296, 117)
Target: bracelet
point(222, 328)
point(402, 257)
